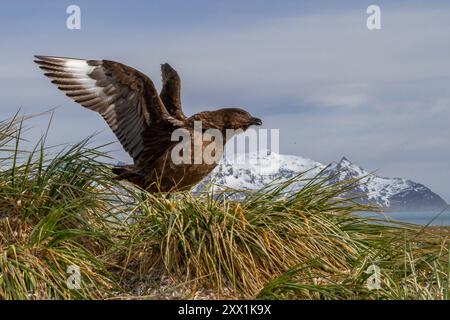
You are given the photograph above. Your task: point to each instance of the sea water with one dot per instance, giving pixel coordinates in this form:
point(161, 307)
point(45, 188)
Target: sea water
point(433, 218)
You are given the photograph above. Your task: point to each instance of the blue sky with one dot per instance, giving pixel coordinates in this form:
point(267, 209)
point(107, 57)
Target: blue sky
point(310, 68)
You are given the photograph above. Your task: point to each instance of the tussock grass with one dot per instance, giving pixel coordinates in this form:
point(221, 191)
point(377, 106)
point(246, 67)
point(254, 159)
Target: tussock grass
point(239, 245)
point(274, 245)
point(52, 215)
point(64, 208)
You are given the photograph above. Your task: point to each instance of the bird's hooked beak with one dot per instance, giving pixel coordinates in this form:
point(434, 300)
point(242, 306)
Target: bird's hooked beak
point(255, 121)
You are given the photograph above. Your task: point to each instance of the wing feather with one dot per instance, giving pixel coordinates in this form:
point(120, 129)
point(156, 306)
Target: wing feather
point(126, 98)
point(171, 91)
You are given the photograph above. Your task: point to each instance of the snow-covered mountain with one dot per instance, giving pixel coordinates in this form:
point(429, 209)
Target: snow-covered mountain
point(255, 170)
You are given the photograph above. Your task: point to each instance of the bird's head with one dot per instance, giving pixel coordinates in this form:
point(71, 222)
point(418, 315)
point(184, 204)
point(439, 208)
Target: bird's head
point(235, 118)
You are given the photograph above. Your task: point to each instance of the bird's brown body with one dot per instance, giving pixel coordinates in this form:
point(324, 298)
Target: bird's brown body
point(142, 120)
point(163, 174)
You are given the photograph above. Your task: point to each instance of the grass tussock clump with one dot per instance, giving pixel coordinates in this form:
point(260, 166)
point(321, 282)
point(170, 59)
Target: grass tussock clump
point(64, 209)
point(52, 216)
point(279, 245)
point(240, 245)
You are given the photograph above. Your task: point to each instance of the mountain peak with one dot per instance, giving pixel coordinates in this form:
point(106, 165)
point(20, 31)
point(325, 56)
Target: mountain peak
point(344, 159)
point(390, 193)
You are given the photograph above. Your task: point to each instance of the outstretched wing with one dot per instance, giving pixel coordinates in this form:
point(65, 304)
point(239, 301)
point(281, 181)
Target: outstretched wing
point(171, 91)
point(125, 97)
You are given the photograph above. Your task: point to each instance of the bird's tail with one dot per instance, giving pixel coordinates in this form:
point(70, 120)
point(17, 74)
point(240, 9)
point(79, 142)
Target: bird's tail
point(128, 173)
